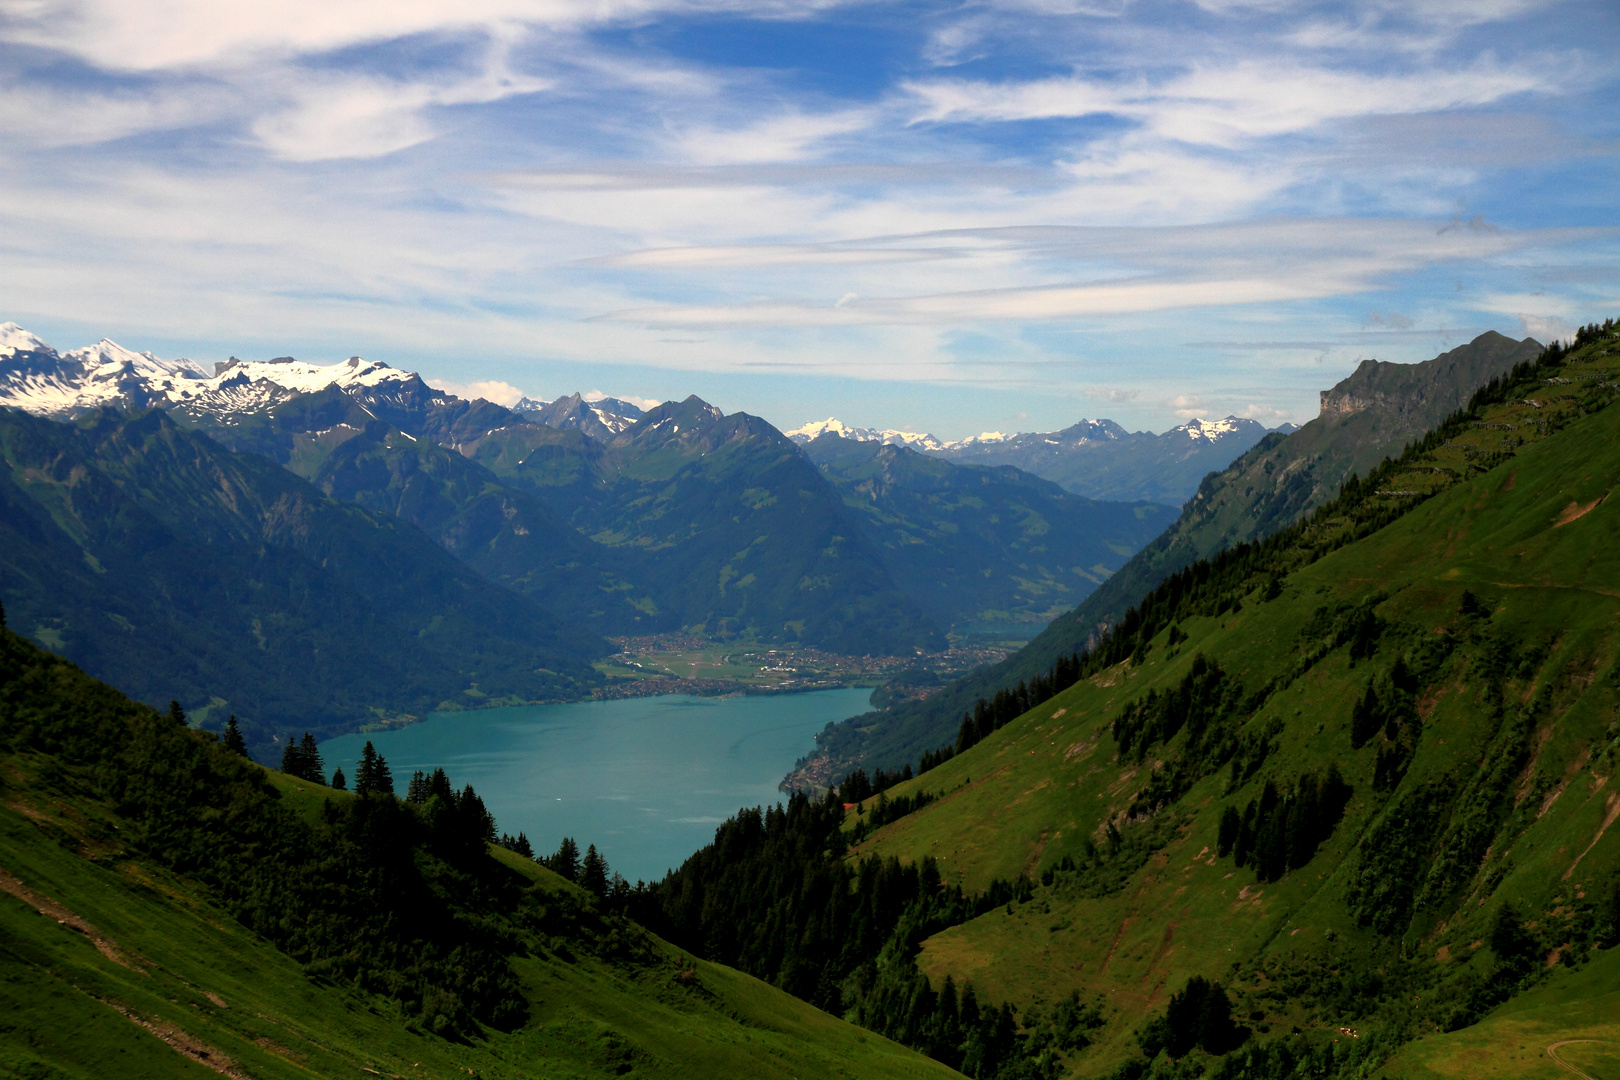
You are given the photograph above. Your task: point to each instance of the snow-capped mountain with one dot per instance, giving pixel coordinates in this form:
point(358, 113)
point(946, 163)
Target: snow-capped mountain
point(817, 428)
point(1101, 460)
point(38, 379)
point(1096, 458)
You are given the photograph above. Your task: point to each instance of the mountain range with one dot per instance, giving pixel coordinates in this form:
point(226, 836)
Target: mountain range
point(607, 519)
point(986, 545)
point(1365, 418)
point(1098, 459)
point(1333, 804)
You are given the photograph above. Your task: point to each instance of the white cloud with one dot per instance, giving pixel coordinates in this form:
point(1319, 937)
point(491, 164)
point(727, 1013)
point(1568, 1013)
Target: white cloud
point(149, 35)
point(1211, 105)
point(349, 116)
point(501, 393)
point(643, 403)
point(789, 137)
point(72, 116)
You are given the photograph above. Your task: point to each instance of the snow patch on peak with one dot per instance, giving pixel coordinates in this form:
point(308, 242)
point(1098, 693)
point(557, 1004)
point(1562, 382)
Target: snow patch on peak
point(14, 339)
point(830, 426)
point(108, 353)
point(1212, 429)
point(888, 436)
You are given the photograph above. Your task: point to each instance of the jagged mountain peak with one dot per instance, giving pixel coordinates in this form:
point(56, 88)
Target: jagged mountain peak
point(597, 417)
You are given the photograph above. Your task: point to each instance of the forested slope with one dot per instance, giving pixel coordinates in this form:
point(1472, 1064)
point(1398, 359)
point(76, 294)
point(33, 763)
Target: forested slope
point(168, 909)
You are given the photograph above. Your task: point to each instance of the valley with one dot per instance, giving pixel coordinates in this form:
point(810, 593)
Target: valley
point(771, 540)
point(679, 663)
point(1328, 799)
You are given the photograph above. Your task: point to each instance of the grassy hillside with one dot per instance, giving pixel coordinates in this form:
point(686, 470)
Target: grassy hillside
point(169, 910)
point(978, 544)
point(1373, 414)
point(1457, 664)
point(176, 568)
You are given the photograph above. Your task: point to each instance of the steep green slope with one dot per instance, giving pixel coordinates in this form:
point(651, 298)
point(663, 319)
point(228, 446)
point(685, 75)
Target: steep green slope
point(176, 568)
point(167, 909)
point(982, 544)
point(1366, 417)
point(1457, 664)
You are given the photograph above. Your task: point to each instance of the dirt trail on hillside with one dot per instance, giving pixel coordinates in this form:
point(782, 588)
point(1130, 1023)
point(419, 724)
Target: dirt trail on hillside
point(48, 907)
point(185, 1044)
point(1552, 1052)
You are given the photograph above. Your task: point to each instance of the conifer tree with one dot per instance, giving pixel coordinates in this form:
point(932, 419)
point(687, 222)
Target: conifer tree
point(292, 759)
point(618, 889)
point(439, 784)
point(417, 790)
point(233, 737)
point(371, 775)
point(339, 781)
point(593, 873)
point(365, 772)
point(566, 862)
point(177, 714)
point(473, 820)
point(310, 758)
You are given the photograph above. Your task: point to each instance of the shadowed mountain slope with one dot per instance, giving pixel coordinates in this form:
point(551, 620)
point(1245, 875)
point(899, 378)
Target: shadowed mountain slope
point(976, 544)
point(176, 568)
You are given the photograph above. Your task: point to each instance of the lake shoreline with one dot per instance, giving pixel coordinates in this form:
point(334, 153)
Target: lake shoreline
point(646, 779)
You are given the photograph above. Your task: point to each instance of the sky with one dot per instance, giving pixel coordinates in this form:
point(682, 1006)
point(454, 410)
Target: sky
point(946, 217)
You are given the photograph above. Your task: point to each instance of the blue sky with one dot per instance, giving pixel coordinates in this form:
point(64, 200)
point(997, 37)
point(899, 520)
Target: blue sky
point(948, 217)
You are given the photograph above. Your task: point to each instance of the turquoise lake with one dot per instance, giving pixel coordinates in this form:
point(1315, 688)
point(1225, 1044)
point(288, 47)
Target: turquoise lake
point(644, 779)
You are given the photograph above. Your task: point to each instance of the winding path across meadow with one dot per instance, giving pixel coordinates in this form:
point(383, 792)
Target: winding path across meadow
point(1552, 1052)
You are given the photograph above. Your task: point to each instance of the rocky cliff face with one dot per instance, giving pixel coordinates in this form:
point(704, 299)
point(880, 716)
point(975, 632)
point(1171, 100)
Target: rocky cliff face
point(1423, 393)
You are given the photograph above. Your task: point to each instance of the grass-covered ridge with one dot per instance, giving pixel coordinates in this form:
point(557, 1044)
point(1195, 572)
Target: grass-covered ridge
point(1446, 637)
point(169, 909)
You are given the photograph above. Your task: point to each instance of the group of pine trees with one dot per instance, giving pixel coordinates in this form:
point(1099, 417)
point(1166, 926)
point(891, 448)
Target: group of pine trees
point(1199, 1015)
point(590, 873)
point(1279, 832)
point(774, 896)
point(303, 760)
